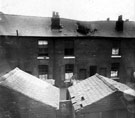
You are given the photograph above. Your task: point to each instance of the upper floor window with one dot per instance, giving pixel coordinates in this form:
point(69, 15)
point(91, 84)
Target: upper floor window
point(69, 48)
point(42, 49)
point(43, 72)
point(69, 71)
point(42, 42)
point(115, 70)
point(116, 49)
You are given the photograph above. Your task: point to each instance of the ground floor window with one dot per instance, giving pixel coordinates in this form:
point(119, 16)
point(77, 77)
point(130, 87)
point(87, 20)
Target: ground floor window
point(69, 71)
point(43, 72)
point(115, 70)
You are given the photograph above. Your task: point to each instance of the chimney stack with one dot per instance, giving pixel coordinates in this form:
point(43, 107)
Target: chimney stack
point(119, 24)
point(55, 21)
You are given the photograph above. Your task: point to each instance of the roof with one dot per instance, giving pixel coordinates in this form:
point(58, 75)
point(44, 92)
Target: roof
point(40, 27)
point(31, 87)
point(93, 89)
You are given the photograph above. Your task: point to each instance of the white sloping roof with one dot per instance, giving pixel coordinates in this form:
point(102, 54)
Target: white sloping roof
point(32, 87)
point(94, 89)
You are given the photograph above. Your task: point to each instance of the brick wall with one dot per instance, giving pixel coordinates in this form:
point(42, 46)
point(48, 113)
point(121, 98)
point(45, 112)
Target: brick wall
point(89, 51)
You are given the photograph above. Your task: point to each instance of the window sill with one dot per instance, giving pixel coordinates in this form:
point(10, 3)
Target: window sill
point(115, 56)
point(69, 57)
point(42, 57)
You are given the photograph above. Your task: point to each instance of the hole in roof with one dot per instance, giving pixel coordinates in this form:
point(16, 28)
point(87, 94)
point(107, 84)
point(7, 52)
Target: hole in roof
point(81, 105)
point(82, 98)
point(73, 97)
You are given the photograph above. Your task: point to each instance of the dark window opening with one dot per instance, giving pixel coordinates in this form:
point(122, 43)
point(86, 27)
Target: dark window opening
point(69, 48)
point(82, 74)
point(43, 52)
point(93, 70)
point(43, 72)
point(69, 70)
point(115, 70)
point(69, 52)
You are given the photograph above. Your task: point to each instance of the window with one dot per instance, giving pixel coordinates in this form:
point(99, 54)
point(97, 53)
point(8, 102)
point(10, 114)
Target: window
point(82, 74)
point(69, 48)
point(42, 42)
point(115, 70)
point(43, 72)
point(93, 70)
point(42, 49)
point(69, 70)
point(116, 49)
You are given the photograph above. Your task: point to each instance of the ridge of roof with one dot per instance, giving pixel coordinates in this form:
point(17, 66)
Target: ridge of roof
point(94, 89)
point(117, 86)
point(107, 83)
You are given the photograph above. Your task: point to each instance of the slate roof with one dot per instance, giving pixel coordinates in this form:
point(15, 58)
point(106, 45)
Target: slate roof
point(40, 27)
point(93, 89)
point(31, 87)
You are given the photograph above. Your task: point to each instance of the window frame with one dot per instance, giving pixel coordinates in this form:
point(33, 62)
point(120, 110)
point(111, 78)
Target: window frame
point(43, 73)
point(69, 69)
point(116, 52)
point(69, 48)
point(43, 51)
point(115, 68)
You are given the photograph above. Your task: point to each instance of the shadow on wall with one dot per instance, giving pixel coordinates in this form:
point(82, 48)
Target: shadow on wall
point(4, 64)
point(8, 104)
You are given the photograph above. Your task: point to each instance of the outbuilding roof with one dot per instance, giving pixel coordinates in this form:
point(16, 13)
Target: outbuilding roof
point(31, 87)
point(41, 27)
point(95, 88)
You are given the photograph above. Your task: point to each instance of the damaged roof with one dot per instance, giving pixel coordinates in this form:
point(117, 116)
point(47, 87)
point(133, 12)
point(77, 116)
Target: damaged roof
point(94, 89)
point(41, 27)
point(31, 87)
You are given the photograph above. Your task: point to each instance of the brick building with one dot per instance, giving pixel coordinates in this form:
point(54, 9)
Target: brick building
point(60, 49)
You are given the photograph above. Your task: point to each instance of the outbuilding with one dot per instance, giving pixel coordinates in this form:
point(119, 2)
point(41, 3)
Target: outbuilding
point(101, 97)
point(25, 96)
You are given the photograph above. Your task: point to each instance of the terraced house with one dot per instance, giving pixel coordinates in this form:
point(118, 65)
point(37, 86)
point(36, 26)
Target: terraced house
point(64, 51)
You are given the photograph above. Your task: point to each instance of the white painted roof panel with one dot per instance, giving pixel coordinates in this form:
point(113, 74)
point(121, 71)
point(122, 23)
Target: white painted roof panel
point(32, 87)
point(93, 89)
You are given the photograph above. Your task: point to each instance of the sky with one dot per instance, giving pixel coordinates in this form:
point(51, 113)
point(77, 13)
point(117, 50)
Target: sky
point(85, 10)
